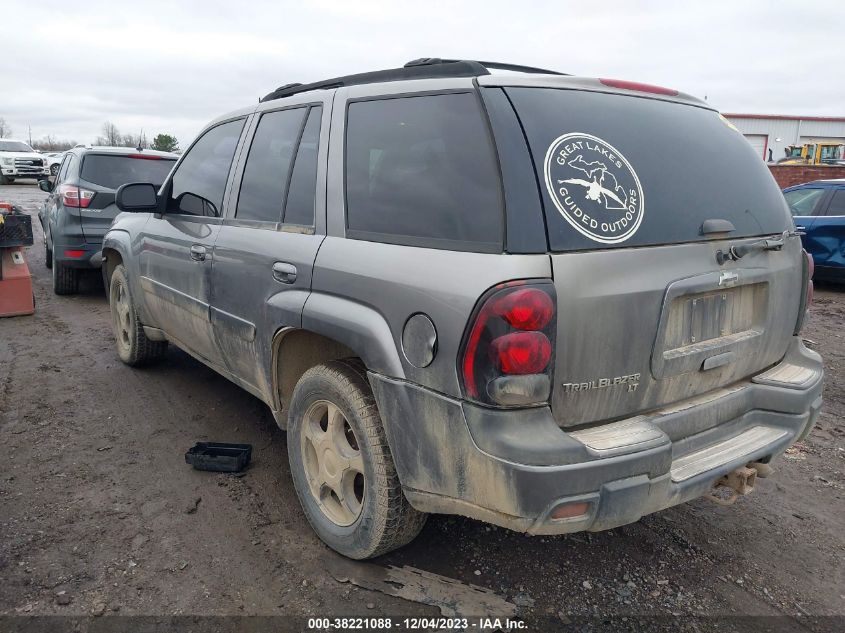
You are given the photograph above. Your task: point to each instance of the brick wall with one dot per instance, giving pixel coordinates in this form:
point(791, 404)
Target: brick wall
point(788, 175)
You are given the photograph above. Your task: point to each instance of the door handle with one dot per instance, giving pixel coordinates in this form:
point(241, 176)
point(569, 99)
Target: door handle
point(284, 272)
point(198, 253)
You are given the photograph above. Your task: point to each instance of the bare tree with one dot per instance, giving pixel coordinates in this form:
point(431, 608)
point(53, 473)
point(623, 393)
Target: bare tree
point(111, 135)
point(5, 130)
point(51, 144)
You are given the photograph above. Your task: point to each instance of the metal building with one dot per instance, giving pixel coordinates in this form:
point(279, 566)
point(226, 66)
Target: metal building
point(774, 132)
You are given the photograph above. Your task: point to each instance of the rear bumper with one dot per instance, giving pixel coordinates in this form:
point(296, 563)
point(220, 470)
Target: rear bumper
point(513, 468)
point(91, 256)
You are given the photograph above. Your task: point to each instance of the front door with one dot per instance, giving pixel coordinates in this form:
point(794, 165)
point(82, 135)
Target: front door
point(176, 246)
point(265, 251)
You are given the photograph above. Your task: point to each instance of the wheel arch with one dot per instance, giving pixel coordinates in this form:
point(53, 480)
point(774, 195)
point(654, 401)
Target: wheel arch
point(332, 328)
point(113, 256)
point(111, 260)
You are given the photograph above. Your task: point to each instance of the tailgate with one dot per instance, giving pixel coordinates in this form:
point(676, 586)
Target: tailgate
point(642, 328)
point(639, 194)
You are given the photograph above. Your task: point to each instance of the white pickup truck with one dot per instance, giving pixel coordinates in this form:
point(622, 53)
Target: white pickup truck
point(19, 160)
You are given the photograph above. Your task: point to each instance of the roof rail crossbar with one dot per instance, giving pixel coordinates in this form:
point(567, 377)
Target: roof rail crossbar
point(451, 68)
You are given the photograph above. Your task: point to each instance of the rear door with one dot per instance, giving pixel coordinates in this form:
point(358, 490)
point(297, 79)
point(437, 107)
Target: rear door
point(103, 174)
point(640, 195)
point(175, 247)
point(265, 251)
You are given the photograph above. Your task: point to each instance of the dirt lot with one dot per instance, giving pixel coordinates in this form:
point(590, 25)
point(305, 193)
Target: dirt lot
point(99, 514)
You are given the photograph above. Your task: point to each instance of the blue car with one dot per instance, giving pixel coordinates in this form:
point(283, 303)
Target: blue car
point(819, 210)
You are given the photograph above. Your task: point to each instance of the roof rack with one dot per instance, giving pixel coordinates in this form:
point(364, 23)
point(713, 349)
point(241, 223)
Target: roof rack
point(423, 68)
point(425, 61)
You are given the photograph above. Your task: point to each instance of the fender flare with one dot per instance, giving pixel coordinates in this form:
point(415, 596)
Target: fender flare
point(357, 326)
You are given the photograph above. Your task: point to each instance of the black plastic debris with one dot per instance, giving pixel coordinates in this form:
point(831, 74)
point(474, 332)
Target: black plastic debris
point(219, 456)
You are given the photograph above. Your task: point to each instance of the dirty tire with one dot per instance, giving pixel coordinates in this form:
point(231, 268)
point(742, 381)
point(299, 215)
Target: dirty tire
point(65, 280)
point(133, 346)
point(386, 520)
point(48, 255)
point(5, 180)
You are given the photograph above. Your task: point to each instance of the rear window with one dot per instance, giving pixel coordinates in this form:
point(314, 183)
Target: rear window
point(112, 171)
point(625, 171)
point(421, 171)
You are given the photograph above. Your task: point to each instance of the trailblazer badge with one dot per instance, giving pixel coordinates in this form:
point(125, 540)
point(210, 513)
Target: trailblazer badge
point(594, 187)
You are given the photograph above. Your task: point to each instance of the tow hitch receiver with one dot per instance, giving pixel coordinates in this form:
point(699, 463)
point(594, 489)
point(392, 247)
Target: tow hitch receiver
point(738, 482)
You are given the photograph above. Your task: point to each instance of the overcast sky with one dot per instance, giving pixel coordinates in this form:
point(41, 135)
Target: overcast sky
point(170, 66)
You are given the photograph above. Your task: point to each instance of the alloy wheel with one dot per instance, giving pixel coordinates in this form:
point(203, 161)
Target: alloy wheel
point(334, 466)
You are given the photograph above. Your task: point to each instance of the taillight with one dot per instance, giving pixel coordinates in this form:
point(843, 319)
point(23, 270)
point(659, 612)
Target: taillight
point(809, 267)
point(523, 352)
point(73, 196)
point(639, 87)
point(509, 345)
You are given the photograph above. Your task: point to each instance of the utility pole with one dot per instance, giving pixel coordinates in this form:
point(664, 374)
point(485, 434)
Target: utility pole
point(29, 127)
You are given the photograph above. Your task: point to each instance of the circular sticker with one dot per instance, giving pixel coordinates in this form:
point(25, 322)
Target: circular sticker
point(594, 187)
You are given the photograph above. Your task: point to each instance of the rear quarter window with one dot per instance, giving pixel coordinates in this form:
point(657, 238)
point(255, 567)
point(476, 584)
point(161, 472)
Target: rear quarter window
point(421, 171)
point(618, 170)
point(114, 170)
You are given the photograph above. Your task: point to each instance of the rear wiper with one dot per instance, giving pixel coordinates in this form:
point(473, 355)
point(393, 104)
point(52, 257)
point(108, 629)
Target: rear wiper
point(738, 252)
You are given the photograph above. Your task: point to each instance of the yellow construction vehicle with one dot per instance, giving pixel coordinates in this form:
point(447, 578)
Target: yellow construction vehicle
point(815, 153)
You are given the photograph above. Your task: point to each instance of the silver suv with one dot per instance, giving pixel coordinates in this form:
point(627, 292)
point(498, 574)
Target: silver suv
point(550, 303)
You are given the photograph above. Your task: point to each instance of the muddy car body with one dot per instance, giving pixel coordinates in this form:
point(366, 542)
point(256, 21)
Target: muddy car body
point(548, 316)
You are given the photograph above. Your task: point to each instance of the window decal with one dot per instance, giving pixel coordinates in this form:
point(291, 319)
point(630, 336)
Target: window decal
point(594, 187)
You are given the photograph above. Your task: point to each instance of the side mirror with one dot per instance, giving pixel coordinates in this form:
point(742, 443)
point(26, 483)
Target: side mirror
point(138, 197)
point(45, 185)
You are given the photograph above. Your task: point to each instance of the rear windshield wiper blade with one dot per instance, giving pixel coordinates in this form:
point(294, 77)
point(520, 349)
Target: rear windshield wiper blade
point(738, 252)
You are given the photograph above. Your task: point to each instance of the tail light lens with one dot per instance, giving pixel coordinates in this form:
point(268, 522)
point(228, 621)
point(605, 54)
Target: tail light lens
point(75, 196)
point(809, 267)
point(522, 352)
point(509, 345)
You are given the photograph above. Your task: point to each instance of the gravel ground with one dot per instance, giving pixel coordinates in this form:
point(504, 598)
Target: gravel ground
point(99, 514)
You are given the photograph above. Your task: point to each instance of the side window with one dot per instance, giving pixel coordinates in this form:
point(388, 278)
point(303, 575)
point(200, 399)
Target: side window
point(265, 178)
point(72, 168)
point(199, 182)
point(421, 171)
point(64, 168)
point(299, 208)
point(837, 203)
point(803, 202)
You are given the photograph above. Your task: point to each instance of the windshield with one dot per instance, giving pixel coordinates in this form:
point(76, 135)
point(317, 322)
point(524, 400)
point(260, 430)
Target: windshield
point(831, 152)
point(617, 170)
point(114, 170)
point(15, 146)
